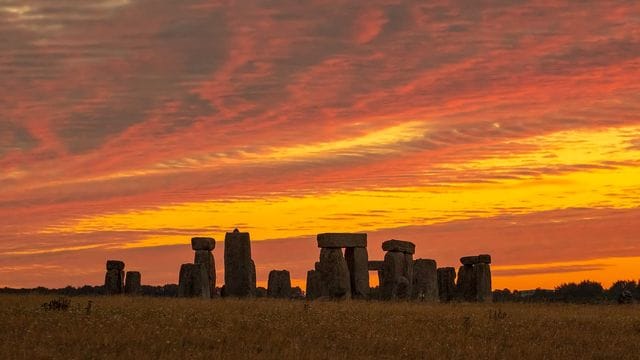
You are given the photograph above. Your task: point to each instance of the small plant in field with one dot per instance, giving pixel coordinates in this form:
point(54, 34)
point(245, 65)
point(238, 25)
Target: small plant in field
point(497, 314)
point(60, 304)
point(88, 308)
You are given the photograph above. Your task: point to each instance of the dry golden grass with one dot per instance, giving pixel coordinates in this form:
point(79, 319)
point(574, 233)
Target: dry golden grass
point(163, 328)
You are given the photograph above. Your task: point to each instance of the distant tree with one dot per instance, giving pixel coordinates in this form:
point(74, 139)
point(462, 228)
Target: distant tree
point(614, 292)
point(584, 292)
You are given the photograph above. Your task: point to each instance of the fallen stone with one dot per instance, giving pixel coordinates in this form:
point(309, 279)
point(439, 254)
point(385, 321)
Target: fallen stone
point(239, 270)
point(399, 245)
point(114, 282)
point(376, 265)
point(279, 284)
point(446, 283)
point(466, 283)
point(358, 264)
point(341, 240)
point(393, 271)
point(425, 280)
point(205, 257)
point(482, 277)
point(314, 285)
point(335, 273)
point(203, 243)
point(115, 265)
point(132, 284)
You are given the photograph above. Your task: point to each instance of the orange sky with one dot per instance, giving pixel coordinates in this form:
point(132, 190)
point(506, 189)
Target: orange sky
point(510, 128)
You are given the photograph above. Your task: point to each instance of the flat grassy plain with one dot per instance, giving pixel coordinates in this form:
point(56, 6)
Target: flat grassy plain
point(169, 328)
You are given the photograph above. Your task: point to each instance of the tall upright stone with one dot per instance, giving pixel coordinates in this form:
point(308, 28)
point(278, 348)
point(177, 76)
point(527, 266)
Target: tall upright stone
point(239, 269)
point(482, 276)
point(279, 284)
point(114, 278)
point(425, 280)
point(132, 285)
point(358, 264)
point(314, 285)
point(393, 272)
point(446, 283)
point(194, 281)
point(466, 284)
point(335, 273)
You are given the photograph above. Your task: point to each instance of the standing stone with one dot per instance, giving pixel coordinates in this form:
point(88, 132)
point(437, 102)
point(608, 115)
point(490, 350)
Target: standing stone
point(335, 273)
point(408, 271)
point(205, 257)
point(425, 280)
point(358, 263)
point(446, 283)
point(254, 278)
point(380, 278)
point(132, 285)
point(239, 270)
point(482, 276)
point(194, 281)
point(279, 285)
point(466, 284)
point(314, 285)
point(393, 270)
point(113, 282)
point(114, 279)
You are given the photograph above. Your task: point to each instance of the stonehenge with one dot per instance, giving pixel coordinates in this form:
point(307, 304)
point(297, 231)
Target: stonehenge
point(279, 284)
point(114, 279)
point(132, 285)
point(397, 277)
point(474, 279)
point(342, 276)
point(314, 285)
point(194, 281)
point(203, 247)
point(239, 268)
point(425, 280)
point(446, 283)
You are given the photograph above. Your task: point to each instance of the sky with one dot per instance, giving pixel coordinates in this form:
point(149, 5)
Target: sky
point(502, 127)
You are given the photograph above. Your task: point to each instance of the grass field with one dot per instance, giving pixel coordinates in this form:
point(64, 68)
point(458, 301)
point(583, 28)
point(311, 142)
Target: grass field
point(167, 328)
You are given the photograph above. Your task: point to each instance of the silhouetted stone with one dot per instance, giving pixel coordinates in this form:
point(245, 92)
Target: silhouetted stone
point(408, 271)
point(358, 263)
point(254, 277)
point(114, 282)
point(482, 278)
point(484, 259)
point(205, 257)
point(393, 270)
point(403, 288)
point(317, 265)
point(466, 283)
point(380, 279)
point(203, 243)
point(376, 265)
point(132, 284)
point(314, 285)
point(296, 293)
point(194, 281)
point(425, 280)
point(260, 292)
point(335, 273)
point(469, 260)
point(115, 265)
point(446, 283)
point(239, 270)
point(279, 284)
point(399, 245)
point(341, 240)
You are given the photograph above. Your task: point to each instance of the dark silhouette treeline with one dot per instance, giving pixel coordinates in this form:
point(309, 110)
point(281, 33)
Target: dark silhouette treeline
point(585, 292)
point(168, 290)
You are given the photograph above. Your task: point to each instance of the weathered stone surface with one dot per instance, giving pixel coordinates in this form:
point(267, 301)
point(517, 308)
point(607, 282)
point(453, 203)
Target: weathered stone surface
point(380, 279)
point(115, 265)
point(203, 243)
point(341, 240)
point(132, 284)
point(482, 277)
point(469, 260)
point(484, 259)
point(446, 283)
point(408, 271)
point(358, 263)
point(399, 245)
point(239, 270)
point(335, 274)
point(317, 265)
point(194, 281)
point(425, 280)
point(205, 257)
point(279, 284)
point(466, 283)
point(254, 277)
point(376, 265)
point(393, 270)
point(114, 282)
point(314, 285)
point(403, 288)
point(260, 292)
